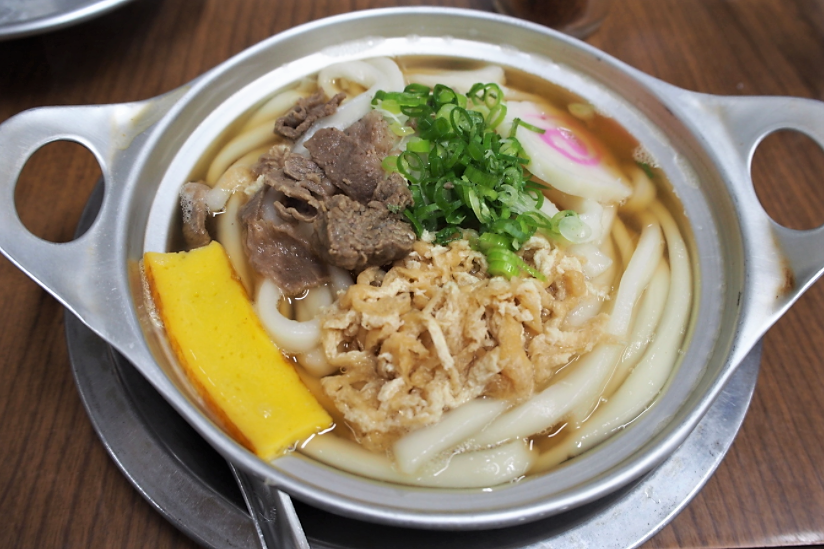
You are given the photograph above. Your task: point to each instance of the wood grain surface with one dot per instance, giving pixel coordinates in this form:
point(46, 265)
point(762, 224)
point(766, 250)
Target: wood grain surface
point(58, 487)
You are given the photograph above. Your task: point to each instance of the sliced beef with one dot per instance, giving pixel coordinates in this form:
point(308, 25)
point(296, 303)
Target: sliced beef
point(353, 236)
point(300, 183)
point(301, 168)
point(277, 248)
point(195, 212)
point(273, 159)
point(306, 111)
point(352, 159)
point(293, 199)
point(373, 130)
point(394, 193)
point(342, 190)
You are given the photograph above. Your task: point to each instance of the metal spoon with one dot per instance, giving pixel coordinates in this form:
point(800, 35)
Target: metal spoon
point(273, 513)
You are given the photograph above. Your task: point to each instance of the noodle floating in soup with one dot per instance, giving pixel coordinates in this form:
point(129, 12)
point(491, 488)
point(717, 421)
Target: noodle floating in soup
point(473, 283)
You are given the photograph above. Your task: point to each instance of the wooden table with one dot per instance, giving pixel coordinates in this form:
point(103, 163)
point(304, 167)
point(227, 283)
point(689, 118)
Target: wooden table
point(58, 488)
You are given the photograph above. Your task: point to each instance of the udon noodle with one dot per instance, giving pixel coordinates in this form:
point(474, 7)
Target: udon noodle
point(599, 330)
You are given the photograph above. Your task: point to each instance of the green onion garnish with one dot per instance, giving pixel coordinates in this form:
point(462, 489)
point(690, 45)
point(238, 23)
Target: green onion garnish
point(465, 176)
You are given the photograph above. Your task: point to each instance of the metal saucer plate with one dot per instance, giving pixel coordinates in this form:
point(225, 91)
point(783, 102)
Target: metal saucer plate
point(190, 483)
point(19, 18)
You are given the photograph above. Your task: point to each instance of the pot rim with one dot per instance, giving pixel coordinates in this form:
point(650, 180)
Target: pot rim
point(557, 490)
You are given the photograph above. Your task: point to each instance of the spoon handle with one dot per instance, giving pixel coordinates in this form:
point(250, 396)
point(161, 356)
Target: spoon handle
point(273, 513)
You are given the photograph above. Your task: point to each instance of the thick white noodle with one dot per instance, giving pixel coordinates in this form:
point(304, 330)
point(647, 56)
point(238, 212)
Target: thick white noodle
point(643, 190)
point(310, 305)
point(647, 379)
point(355, 72)
point(623, 241)
point(480, 469)
point(228, 227)
point(461, 81)
point(646, 322)
point(587, 309)
point(416, 448)
point(237, 147)
point(234, 179)
point(556, 402)
point(548, 208)
point(390, 69)
point(374, 74)
point(592, 303)
point(256, 132)
point(274, 108)
point(339, 280)
point(230, 234)
point(637, 275)
point(598, 217)
point(314, 361)
point(594, 261)
point(289, 335)
point(605, 280)
point(592, 213)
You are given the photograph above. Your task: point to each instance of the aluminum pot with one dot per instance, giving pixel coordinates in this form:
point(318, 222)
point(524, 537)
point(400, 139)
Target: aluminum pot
point(747, 269)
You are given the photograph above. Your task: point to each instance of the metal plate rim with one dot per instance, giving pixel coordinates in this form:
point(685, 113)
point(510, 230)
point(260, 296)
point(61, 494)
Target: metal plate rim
point(67, 13)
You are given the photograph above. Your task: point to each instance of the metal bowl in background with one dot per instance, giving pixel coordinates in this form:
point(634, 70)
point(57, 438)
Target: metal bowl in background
point(20, 18)
point(748, 270)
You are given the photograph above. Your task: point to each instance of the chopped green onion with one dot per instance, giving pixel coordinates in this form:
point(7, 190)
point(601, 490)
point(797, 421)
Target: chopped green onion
point(462, 122)
point(480, 177)
point(390, 164)
point(465, 178)
point(390, 105)
point(486, 94)
point(419, 146)
point(411, 166)
point(444, 95)
point(447, 235)
point(518, 122)
point(414, 220)
point(401, 131)
point(505, 263)
point(489, 240)
point(496, 116)
point(417, 89)
point(572, 228)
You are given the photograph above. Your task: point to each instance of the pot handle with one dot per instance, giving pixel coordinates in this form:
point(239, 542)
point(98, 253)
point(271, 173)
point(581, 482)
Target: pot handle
point(81, 273)
point(800, 258)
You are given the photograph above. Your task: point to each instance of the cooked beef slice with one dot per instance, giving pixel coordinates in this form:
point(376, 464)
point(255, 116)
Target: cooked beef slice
point(353, 236)
point(394, 193)
point(306, 111)
point(353, 230)
point(300, 183)
point(301, 168)
point(273, 159)
point(352, 159)
point(277, 248)
point(193, 206)
point(373, 130)
point(293, 199)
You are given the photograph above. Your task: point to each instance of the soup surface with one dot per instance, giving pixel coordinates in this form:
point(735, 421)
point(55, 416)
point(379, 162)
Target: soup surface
point(470, 269)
